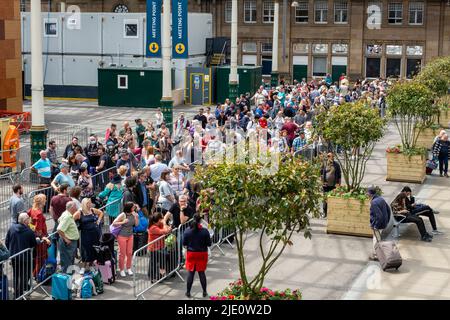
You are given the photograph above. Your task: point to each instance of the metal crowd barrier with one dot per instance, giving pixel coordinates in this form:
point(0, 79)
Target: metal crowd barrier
point(101, 179)
point(5, 219)
point(16, 276)
point(147, 260)
point(157, 261)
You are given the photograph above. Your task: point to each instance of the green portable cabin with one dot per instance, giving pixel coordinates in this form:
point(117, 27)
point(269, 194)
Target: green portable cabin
point(130, 87)
point(250, 79)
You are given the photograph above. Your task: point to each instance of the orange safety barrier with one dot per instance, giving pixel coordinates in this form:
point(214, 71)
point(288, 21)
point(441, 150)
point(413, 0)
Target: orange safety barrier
point(21, 120)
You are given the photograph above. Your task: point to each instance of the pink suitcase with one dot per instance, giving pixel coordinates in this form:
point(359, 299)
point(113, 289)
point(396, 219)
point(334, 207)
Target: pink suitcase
point(107, 272)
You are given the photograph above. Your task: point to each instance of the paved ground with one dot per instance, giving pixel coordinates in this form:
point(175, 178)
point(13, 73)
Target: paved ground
point(326, 267)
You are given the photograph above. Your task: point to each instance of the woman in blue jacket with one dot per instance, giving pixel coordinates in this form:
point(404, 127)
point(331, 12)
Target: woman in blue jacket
point(114, 193)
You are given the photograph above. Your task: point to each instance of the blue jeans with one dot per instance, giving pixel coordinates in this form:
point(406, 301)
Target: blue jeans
point(67, 253)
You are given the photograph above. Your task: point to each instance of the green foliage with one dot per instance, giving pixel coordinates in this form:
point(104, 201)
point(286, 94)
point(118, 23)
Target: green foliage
point(278, 205)
point(235, 291)
point(436, 75)
point(412, 109)
point(354, 128)
point(416, 151)
point(360, 194)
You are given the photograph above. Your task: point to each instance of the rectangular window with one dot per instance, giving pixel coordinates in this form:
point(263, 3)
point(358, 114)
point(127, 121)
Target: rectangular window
point(228, 9)
point(414, 50)
point(341, 48)
point(319, 66)
point(413, 67)
point(130, 28)
point(340, 11)
point(373, 67)
point(320, 48)
point(394, 50)
point(416, 13)
point(374, 49)
point(393, 66)
point(51, 28)
point(250, 11)
point(266, 47)
point(300, 48)
point(395, 12)
point(249, 47)
point(122, 81)
point(301, 12)
point(268, 11)
point(320, 11)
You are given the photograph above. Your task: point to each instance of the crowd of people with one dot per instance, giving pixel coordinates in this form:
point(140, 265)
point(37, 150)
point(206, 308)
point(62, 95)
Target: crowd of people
point(149, 174)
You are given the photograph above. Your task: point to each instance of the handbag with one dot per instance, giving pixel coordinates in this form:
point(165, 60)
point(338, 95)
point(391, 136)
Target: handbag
point(4, 253)
point(115, 230)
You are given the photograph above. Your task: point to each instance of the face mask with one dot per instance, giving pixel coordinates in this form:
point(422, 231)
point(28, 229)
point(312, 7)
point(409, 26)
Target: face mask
point(92, 141)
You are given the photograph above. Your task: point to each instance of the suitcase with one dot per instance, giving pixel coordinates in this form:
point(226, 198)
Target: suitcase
point(61, 286)
point(388, 255)
point(4, 294)
point(107, 271)
point(140, 240)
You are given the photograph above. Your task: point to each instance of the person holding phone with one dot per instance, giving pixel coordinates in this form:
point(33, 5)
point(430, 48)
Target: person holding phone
point(127, 220)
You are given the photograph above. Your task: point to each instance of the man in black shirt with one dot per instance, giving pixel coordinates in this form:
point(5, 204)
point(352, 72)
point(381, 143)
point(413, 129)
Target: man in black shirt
point(180, 212)
point(202, 118)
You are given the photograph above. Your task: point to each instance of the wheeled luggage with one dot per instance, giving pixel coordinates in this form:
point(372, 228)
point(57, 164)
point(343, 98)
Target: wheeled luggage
point(107, 271)
point(388, 255)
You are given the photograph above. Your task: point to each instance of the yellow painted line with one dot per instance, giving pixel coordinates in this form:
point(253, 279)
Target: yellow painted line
point(67, 99)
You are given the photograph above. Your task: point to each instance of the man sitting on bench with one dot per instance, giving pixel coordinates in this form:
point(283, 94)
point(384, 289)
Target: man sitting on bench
point(420, 209)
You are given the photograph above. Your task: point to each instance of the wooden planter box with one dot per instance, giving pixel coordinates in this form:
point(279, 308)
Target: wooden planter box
point(349, 217)
point(403, 168)
point(444, 118)
point(426, 138)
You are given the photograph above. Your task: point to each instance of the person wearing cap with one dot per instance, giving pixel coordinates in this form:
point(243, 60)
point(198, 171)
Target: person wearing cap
point(125, 161)
point(380, 214)
point(63, 177)
point(299, 143)
point(44, 169)
point(113, 193)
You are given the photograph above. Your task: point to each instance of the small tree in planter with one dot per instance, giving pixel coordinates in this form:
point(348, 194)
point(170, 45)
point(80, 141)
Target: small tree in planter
point(436, 75)
point(277, 206)
point(412, 108)
point(353, 129)
point(444, 111)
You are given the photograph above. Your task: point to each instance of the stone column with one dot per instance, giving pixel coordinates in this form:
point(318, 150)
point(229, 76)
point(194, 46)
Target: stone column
point(234, 79)
point(276, 20)
point(38, 131)
point(167, 101)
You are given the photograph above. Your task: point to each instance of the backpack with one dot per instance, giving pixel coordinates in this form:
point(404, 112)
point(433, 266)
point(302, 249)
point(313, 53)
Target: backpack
point(143, 223)
point(47, 270)
point(86, 288)
point(103, 254)
point(98, 281)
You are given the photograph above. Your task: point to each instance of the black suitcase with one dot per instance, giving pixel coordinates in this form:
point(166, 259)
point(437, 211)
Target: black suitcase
point(140, 240)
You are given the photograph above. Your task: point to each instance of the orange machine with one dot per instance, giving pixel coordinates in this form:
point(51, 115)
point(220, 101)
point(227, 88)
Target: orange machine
point(9, 143)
